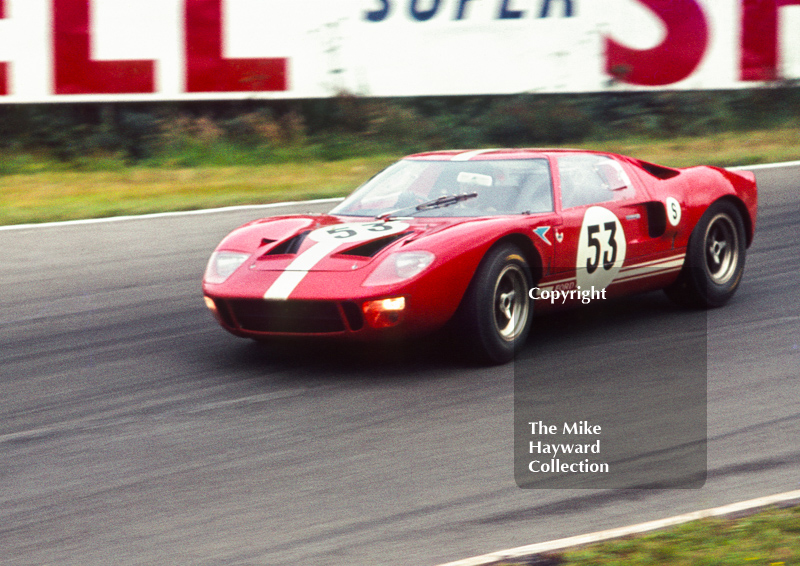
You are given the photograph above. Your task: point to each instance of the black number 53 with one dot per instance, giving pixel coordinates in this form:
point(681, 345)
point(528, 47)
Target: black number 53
point(609, 255)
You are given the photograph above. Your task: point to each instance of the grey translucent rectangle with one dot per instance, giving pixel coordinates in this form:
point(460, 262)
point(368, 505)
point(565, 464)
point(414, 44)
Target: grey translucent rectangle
point(613, 396)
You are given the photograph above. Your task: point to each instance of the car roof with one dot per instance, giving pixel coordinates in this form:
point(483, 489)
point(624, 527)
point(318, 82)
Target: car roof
point(489, 154)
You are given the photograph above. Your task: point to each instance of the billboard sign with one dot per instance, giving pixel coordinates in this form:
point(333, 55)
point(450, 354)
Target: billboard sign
point(84, 50)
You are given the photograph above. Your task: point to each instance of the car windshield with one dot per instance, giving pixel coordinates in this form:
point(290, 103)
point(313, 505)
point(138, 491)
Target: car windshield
point(416, 187)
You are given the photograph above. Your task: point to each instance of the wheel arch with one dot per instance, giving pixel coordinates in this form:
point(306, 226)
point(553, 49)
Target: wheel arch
point(745, 215)
point(531, 254)
point(705, 282)
point(470, 320)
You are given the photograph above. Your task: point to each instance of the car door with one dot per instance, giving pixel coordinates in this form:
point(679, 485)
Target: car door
point(603, 221)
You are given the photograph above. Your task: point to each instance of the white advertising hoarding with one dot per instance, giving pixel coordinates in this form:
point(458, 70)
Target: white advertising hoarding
point(84, 50)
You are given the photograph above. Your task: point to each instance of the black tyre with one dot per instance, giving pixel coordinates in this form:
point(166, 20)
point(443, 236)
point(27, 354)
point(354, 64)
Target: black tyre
point(496, 312)
point(714, 261)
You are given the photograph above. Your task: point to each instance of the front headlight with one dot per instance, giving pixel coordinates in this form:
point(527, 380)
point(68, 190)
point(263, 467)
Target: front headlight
point(399, 267)
point(222, 264)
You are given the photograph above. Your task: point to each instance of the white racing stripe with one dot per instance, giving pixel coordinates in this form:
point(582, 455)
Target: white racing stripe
point(669, 260)
point(467, 155)
point(651, 273)
point(296, 271)
point(650, 270)
point(646, 275)
point(633, 272)
point(327, 239)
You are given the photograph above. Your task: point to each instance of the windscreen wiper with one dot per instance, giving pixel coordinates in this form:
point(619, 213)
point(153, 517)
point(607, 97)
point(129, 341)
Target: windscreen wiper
point(440, 202)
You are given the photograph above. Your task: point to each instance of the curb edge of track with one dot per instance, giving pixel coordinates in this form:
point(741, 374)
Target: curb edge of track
point(640, 528)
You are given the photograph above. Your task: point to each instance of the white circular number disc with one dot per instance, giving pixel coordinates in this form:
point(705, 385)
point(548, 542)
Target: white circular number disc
point(357, 231)
point(673, 211)
point(601, 249)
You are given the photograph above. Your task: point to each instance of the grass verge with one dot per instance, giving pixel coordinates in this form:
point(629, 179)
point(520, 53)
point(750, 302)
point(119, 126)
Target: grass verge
point(51, 194)
point(769, 538)
point(57, 195)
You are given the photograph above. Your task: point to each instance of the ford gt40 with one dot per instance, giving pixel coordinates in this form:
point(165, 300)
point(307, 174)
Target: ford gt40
point(480, 239)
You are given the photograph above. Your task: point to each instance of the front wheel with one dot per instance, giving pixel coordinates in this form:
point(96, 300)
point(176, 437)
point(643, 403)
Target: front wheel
point(714, 259)
point(496, 312)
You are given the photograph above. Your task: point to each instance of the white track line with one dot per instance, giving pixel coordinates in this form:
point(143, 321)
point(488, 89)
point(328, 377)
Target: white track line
point(169, 214)
point(600, 536)
point(765, 166)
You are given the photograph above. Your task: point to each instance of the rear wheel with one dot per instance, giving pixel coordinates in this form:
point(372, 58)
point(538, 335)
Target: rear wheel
point(496, 312)
point(714, 259)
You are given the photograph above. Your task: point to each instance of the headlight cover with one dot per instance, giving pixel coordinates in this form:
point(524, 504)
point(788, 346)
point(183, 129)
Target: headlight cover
point(398, 267)
point(222, 264)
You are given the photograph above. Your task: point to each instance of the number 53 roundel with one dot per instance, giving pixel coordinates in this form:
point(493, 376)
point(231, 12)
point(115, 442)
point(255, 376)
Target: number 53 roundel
point(601, 249)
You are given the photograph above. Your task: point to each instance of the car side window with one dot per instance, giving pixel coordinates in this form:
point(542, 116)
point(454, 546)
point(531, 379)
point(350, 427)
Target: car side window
point(535, 188)
point(518, 186)
point(591, 179)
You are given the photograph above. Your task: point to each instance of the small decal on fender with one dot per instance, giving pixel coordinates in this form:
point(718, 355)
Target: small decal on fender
point(541, 231)
point(673, 211)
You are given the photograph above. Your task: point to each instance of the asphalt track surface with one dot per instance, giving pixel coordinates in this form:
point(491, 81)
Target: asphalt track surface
point(134, 431)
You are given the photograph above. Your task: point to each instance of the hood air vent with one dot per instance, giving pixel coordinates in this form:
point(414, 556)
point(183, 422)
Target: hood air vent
point(290, 246)
point(371, 248)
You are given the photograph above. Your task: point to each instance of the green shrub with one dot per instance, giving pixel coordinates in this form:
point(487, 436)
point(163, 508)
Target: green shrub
point(106, 135)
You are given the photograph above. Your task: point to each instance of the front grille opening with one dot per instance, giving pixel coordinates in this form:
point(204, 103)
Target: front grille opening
point(352, 313)
point(289, 317)
point(224, 313)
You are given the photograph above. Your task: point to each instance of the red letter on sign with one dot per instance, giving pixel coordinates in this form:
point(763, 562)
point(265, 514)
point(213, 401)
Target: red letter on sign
point(677, 56)
point(76, 72)
point(206, 68)
point(3, 66)
point(760, 39)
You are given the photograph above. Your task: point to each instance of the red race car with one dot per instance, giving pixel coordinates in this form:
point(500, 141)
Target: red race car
point(484, 238)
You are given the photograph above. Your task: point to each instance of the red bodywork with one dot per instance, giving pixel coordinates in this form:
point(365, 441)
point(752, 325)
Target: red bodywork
point(638, 232)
